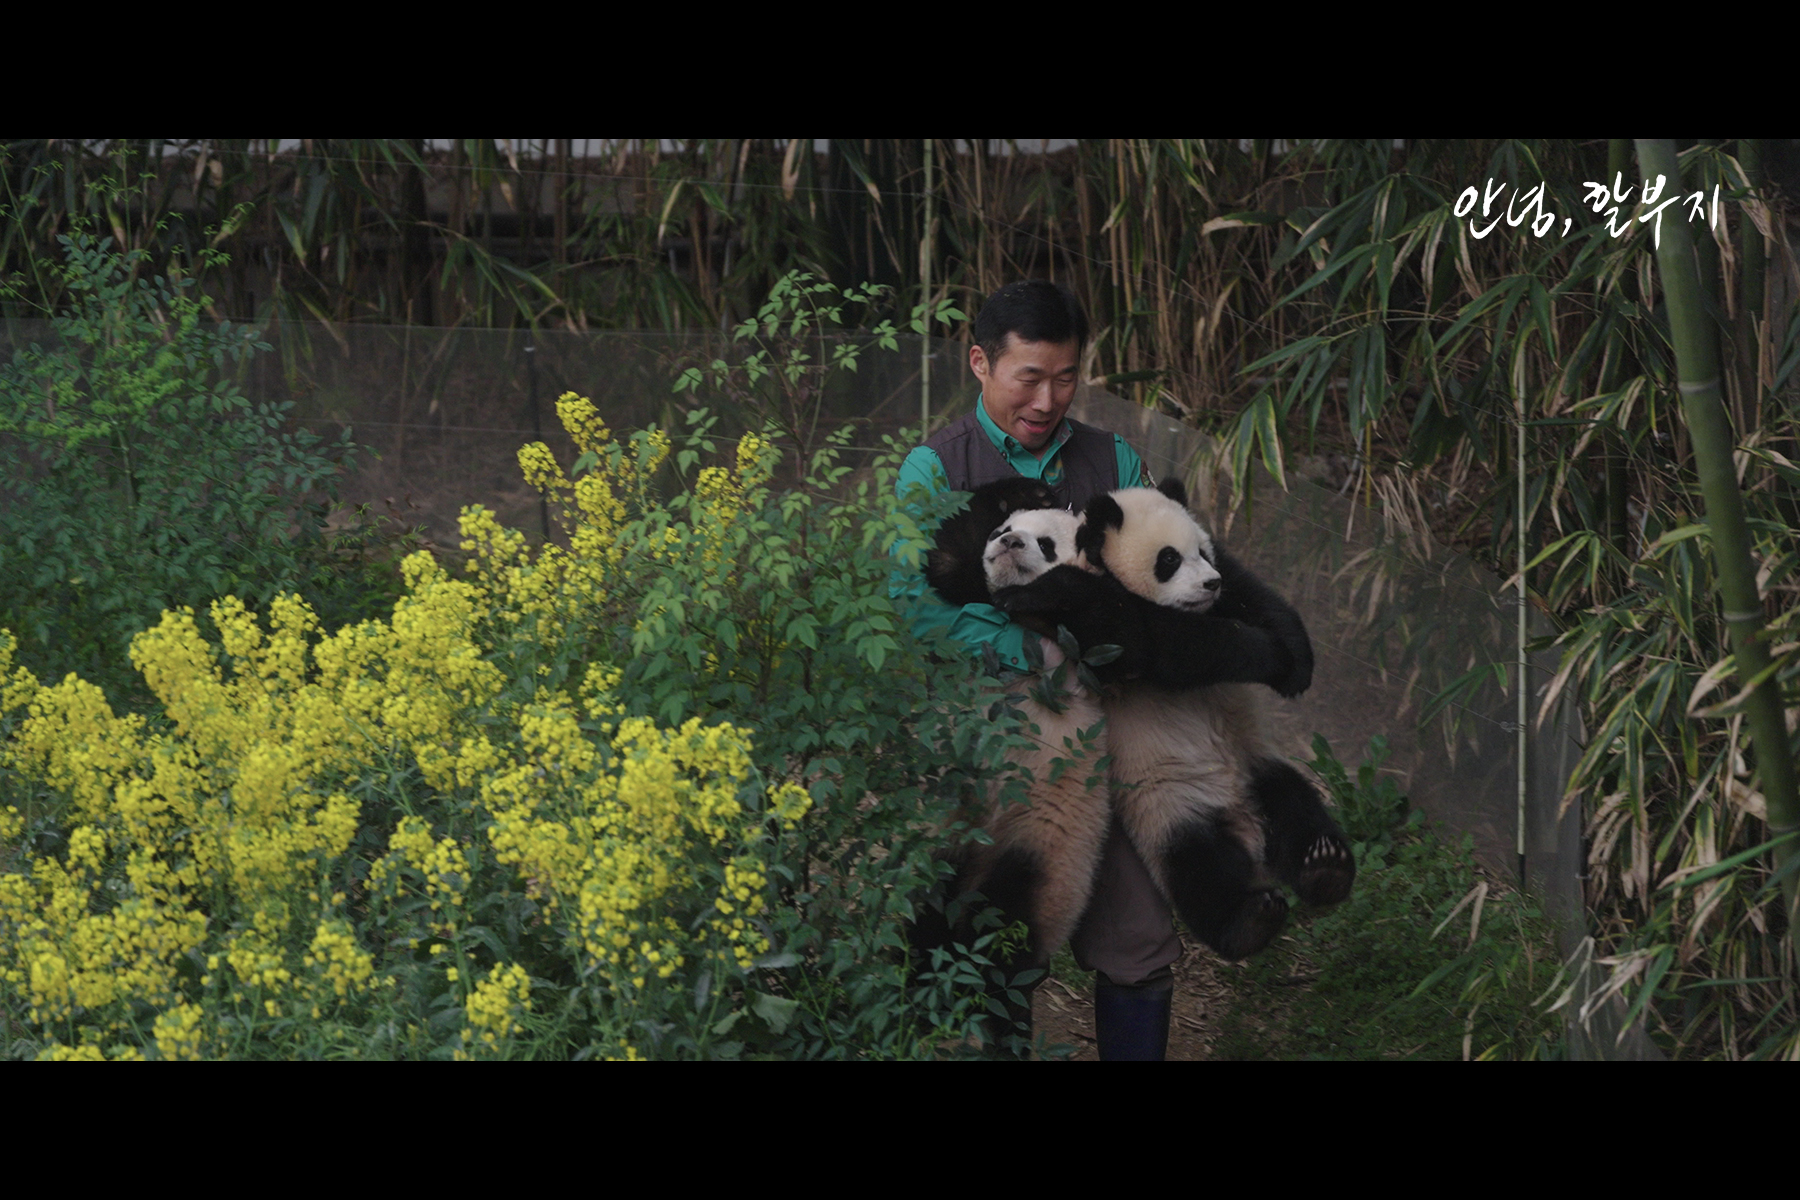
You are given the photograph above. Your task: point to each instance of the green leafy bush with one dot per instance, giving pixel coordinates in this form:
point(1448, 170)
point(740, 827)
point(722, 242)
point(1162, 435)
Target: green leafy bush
point(666, 786)
point(135, 475)
point(1392, 972)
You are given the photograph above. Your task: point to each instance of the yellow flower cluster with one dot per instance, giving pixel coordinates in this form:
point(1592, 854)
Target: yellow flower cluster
point(495, 1004)
point(592, 511)
point(178, 1032)
point(89, 1052)
point(207, 837)
point(441, 862)
point(345, 966)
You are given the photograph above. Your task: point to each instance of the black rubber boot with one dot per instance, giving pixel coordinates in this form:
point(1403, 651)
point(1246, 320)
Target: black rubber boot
point(1131, 1024)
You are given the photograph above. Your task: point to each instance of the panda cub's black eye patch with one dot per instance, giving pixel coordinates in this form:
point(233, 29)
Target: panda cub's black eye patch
point(1167, 563)
point(1048, 548)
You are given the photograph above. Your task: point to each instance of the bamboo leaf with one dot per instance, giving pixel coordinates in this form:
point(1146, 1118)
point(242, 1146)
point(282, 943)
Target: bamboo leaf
point(1694, 876)
point(1658, 968)
point(662, 222)
point(1354, 257)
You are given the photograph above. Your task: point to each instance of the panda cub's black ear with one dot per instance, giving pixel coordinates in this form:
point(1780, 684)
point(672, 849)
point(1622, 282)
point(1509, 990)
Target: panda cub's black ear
point(1103, 513)
point(1014, 494)
point(1171, 487)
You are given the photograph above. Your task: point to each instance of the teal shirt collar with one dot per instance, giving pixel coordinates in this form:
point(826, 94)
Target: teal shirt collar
point(1049, 468)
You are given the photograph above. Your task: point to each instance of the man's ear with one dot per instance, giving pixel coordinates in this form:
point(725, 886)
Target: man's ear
point(978, 362)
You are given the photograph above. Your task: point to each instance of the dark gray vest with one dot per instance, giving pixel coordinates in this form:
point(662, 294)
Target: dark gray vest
point(1089, 464)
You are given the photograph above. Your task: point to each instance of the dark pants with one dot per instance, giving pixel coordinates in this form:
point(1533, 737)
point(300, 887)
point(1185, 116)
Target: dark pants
point(1128, 932)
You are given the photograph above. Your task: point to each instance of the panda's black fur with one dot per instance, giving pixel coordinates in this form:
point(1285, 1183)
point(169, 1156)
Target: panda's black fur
point(1217, 815)
point(1245, 634)
point(1040, 866)
point(954, 566)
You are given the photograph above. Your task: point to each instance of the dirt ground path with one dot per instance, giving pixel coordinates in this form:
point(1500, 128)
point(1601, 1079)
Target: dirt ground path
point(1063, 1010)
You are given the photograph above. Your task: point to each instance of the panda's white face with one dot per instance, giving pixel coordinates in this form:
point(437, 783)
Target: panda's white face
point(1030, 542)
point(1161, 553)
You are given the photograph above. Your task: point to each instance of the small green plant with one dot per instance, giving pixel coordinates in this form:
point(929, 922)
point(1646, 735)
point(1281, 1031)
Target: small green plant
point(1371, 804)
point(785, 357)
point(135, 475)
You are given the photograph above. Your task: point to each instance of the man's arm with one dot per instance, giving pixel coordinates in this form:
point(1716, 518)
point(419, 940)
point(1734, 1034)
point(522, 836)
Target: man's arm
point(974, 625)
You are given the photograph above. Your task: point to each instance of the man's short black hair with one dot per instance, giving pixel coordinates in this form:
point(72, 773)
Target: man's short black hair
point(1034, 309)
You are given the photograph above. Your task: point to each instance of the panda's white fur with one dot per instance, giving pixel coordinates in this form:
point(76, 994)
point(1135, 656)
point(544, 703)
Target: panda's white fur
point(1198, 786)
point(1178, 757)
point(1048, 847)
point(1162, 553)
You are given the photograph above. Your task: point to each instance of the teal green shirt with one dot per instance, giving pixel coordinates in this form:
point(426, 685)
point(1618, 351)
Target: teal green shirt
point(978, 625)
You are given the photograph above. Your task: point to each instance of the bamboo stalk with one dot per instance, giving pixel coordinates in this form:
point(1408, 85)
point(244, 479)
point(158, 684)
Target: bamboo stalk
point(1750, 240)
point(1697, 360)
point(925, 298)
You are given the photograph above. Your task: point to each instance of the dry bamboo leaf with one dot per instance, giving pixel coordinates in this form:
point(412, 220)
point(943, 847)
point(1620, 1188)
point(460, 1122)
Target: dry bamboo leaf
point(1625, 969)
point(1709, 679)
point(1554, 689)
point(1746, 800)
point(1478, 894)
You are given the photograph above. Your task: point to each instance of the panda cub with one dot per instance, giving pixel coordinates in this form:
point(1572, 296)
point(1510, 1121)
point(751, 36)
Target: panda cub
point(956, 567)
point(1216, 813)
point(1044, 854)
point(1236, 631)
point(1181, 618)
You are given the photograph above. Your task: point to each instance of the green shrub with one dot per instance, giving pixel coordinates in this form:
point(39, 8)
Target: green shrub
point(666, 789)
point(1393, 972)
point(135, 476)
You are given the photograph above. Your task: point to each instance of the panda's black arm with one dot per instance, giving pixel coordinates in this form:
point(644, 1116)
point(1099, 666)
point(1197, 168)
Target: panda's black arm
point(1243, 597)
point(1184, 650)
point(1095, 609)
point(956, 575)
point(1058, 592)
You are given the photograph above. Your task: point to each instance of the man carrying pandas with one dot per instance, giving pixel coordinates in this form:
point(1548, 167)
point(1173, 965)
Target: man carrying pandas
point(1203, 816)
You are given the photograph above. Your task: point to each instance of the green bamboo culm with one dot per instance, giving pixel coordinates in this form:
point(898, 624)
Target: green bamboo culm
point(1750, 240)
point(1697, 363)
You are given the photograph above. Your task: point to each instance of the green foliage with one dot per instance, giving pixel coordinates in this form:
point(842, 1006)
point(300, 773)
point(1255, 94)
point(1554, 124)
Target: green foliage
point(1534, 375)
point(1386, 974)
point(453, 826)
point(1678, 867)
point(1372, 804)
point(135, 476)
point(465, 768)
point(787, 625)
point(789, 353)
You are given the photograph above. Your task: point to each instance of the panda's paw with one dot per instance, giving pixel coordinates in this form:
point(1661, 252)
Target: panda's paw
point(1295, 680)
point(1298, 652)
point(1255, 924)
point(1326, 871)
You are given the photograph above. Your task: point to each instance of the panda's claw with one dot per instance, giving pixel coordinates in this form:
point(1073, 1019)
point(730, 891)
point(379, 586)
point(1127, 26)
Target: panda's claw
point(1326, 871)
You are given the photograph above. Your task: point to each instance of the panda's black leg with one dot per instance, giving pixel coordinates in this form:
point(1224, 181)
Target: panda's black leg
point(1212, 878)
point(1306, 847)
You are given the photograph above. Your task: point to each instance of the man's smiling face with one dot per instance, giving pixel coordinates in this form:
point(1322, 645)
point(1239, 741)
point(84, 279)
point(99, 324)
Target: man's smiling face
point(1028, 387)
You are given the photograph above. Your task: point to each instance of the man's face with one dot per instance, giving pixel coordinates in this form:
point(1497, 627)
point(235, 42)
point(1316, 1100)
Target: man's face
point(1028, 388)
